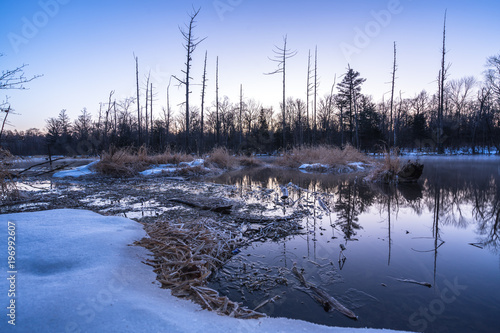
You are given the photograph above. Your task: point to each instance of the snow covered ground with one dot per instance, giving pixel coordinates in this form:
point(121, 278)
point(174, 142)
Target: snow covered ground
point(75, 271)
point(171, 168)
point(153, 170)
point(76, 172)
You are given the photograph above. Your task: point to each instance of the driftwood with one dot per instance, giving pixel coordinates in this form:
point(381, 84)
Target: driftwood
point(328, 302)
point(270, 300)
point(224, 209)
point(39, 164)
point(267, 219)
point(425, 284)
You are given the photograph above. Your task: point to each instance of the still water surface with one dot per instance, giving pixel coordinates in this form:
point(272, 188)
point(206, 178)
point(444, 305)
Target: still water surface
point(444, 230)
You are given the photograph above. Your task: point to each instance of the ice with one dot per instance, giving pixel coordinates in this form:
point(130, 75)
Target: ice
point(76, 172)
point(77, 272)
point(162, 168)
point(171, 168)
point(315, 166)
point(357, 165)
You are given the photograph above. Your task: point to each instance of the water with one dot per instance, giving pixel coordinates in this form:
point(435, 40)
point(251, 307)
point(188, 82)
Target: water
point(445, 231)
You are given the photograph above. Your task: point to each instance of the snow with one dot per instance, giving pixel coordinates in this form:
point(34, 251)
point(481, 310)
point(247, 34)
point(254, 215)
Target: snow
point(313, 167)
point(171, 168)
point(76, 272)
point(167, 168)
point(357, 165)
point(76, 172)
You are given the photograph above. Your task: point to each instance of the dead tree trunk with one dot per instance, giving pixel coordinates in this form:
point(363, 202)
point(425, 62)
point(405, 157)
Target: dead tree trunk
point(138, 101)
point(391, 130)
point(190, 46)
point(315, 93)
point(146, 133)
point(203, 87)
point(281, 55)
point(217, 124)
point(441, 93)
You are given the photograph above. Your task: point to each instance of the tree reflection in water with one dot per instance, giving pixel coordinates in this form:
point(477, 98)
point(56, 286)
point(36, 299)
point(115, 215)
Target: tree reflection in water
point(458, 195)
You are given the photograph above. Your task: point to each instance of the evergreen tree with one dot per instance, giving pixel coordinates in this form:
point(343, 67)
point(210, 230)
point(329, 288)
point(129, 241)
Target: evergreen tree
point(349, 92)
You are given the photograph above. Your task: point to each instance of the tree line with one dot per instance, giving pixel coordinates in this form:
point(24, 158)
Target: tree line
point(471, 120)
point(462, 114)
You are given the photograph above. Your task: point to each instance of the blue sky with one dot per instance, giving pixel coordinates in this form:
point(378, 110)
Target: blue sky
point(84, 48)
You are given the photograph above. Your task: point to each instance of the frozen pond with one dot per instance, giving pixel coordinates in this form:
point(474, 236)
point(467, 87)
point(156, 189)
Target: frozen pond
point(364, 243)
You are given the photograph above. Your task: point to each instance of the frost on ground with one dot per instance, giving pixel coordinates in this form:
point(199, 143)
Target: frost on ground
point(76, 272)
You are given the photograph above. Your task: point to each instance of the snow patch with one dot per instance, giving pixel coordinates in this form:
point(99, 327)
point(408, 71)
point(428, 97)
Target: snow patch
point(76, 172)
point(357, 165)
point(171, 168)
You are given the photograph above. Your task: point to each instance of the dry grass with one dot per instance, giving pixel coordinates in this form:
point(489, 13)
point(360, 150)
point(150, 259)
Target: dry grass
point(8, 188)
point(331, 156)
point(186, 255)
point(121, 162)
point(386, 170)
point(127, 162)
point(169, 157)
point(222, 159)
point(249, 161)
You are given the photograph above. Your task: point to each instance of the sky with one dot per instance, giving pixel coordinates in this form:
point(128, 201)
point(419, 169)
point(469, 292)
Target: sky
point(85, 48)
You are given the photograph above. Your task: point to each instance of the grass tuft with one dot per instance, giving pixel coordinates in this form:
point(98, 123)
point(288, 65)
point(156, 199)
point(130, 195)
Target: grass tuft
point(8, 188)
point(331, 156)
point(222, 159)
point(126, 162)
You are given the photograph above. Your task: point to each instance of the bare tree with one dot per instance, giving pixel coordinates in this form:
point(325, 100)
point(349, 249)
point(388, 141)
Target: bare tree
point(315, 91)
point(12, 79)
point(391, 130)
point(217, 123)
point(203, 87)
point(191, 43)
point(146, 133)
point(308, 93)
point(7, 110)
point(138, 100)
point(493, 74)
point(15, 78)
point(442, 77)
point(106, 121)
point(281, 56)
point(240, 121)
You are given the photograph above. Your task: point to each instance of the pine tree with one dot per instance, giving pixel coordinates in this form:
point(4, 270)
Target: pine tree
point(349, 91)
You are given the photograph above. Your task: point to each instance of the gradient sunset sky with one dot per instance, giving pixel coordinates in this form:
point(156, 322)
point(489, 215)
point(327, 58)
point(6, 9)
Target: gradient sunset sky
point(84, 48)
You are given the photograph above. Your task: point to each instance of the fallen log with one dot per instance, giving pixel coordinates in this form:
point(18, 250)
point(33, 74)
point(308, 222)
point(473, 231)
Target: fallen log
point(328, 302)
point(425, 284)
point(224, 209)
point(36, 165)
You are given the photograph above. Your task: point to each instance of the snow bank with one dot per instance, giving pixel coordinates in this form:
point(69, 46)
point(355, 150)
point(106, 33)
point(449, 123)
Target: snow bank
point(171, 168)
point(76, 172)
point(357, 165)
point(168, 168)
point(314, 167)
point(77, 273)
